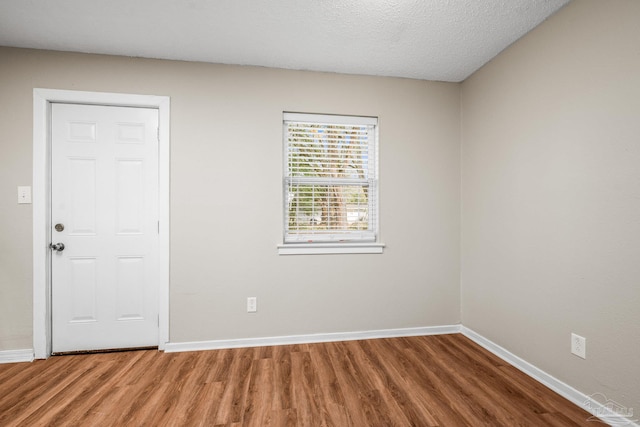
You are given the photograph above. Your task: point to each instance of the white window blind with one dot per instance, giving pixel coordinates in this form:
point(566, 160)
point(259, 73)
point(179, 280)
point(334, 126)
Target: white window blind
point(330, 178)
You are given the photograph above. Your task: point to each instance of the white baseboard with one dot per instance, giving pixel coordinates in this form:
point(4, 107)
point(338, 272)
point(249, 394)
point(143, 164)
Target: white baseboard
point(603, 411)
point(308, 339)
point(15, 356)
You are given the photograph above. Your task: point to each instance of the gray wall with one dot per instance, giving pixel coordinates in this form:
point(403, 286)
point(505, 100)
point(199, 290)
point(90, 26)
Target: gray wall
point(226, 202)
point(551, 197)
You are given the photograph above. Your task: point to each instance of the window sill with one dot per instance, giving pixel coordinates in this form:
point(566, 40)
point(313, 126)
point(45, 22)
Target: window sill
point(330, 248)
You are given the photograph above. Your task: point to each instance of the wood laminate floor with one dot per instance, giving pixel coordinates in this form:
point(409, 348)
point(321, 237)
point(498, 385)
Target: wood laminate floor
point(443, 380)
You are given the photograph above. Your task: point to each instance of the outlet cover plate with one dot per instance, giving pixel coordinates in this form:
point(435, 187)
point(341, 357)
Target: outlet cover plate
point(252, 304)
point(579, 346)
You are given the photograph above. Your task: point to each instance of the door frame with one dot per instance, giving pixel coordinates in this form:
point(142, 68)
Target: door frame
point(42, 100)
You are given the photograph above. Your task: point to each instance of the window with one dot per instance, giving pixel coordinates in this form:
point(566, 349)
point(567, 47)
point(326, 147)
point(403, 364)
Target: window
point(330, 184)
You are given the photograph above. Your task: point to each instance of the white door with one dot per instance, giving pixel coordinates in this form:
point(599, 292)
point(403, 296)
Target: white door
point(104, 210)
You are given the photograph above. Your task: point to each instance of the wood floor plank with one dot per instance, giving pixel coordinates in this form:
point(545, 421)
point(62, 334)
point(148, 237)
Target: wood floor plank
point(469, 400)
point(114, 391)
point(433, 381)
point(282, 371)
point(58, 409)
point(414, 413)
point(260, 394)
point(330, 390)
point(44, 398)
point(478, 377)
point(360, 395)
point(306, 392)
point(20, 396)
point(15, 377)
point(421, 379)
point(236, 386)
point(385, 390)
point(206, 403)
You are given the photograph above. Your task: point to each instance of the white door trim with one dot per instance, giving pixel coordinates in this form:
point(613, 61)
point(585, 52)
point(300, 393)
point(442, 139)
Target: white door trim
point(42, 99)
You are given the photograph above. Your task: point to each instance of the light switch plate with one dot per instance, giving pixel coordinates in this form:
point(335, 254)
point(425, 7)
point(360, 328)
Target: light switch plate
point(24, 195)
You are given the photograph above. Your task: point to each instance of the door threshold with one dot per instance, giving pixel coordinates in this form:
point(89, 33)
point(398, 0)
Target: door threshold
point(106, 350)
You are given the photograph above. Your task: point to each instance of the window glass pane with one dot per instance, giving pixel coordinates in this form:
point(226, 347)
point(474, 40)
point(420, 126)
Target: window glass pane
point(317, 208)
point(330, 180)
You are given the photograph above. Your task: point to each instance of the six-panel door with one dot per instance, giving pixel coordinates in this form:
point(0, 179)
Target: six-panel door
point(104, 209)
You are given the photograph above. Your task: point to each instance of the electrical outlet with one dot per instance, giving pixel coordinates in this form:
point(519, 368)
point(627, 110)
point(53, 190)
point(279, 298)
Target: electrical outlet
point(252, 304)
point(579, 346)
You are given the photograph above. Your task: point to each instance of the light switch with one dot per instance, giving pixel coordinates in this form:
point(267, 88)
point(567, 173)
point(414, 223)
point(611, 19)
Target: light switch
point(24, 195)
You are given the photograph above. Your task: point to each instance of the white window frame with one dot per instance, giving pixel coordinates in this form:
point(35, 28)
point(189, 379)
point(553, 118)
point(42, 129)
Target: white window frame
point(359, 242)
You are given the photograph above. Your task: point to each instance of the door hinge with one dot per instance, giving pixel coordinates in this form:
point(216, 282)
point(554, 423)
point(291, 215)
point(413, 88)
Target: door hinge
point(158, 134)
point(158, 227)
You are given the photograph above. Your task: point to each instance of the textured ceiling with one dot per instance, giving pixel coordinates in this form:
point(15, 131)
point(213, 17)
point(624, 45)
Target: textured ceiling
point(443, 40)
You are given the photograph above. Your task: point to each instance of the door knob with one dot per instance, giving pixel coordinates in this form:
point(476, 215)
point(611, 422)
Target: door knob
point(58, 247)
